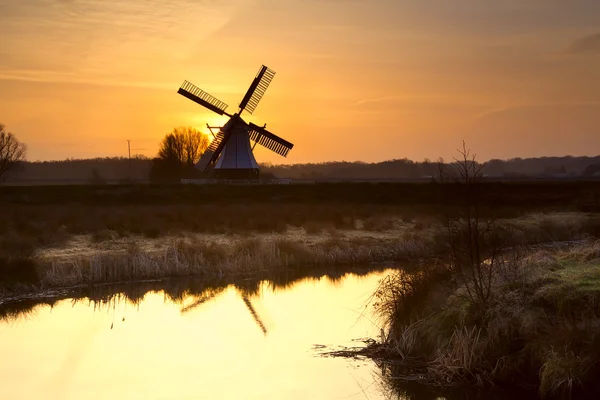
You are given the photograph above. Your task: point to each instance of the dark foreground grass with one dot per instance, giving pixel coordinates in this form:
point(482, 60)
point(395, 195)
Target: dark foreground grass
point(529, 195)
point(49, 215)
point(53, 225)
point(538, 330)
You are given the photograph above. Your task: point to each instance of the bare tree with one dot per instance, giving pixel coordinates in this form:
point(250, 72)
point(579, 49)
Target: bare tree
point(179, 151)
point(477, 245)
point(12, 152)
point(184, 144)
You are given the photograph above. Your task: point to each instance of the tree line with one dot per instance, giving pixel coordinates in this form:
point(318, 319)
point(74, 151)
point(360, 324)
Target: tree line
point(182, 148)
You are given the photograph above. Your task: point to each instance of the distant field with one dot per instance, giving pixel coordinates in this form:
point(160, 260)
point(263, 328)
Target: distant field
point(571, 195)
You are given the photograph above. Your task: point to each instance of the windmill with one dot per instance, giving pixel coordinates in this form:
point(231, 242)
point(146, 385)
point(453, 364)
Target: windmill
point(230, 153)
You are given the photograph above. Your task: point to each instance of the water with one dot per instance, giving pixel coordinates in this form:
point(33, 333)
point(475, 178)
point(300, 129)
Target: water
point(238, 344)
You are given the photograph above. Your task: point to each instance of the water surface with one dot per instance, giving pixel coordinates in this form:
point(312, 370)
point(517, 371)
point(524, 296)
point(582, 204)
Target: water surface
point(224, 343)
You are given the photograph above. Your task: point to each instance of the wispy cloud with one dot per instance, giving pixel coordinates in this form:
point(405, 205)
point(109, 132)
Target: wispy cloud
point(401, 98)
point(510, 108)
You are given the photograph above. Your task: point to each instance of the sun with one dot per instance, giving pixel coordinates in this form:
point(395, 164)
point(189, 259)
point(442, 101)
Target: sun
point(200, 121)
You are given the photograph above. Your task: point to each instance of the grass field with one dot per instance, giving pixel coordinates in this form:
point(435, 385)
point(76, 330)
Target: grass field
point(524, 195)
point(109, 221)
point(86, 237)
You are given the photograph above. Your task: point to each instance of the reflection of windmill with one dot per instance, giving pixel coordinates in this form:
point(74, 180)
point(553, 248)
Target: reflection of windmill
point(207, 295)
point(254, 314)
point(230, 153)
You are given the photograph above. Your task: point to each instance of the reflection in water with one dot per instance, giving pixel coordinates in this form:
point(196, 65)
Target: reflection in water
point(190, 339)
point(187, 339)
point(175, 290)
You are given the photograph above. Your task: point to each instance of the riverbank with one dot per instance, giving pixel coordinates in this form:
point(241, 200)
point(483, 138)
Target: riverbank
point(538, 329)
point(107, 256)
point(536, 326)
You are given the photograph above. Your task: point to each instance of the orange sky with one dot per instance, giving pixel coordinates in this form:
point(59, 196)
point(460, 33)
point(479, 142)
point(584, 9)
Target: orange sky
point(356, 80)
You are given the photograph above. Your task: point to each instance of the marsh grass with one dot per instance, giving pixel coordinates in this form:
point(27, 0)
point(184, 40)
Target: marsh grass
point(237, 257)
point(418, 241)
point(53, 225)
point(378, 223)
point(553, 227)
point(541, 325)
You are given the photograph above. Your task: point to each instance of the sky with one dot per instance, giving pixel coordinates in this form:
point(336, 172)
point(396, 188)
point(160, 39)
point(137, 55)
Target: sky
point(356, 79)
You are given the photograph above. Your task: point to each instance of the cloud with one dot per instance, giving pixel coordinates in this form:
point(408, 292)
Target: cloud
point(586, 45)
point(532, 107)
point(412, 99)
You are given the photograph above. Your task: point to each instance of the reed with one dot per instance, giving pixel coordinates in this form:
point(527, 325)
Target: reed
point(540, 324)
point(207, 259)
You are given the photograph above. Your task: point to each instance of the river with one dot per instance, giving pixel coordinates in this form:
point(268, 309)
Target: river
point(226, 343)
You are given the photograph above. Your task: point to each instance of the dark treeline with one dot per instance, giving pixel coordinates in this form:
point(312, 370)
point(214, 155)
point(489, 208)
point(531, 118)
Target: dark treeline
point(119, 169)
point(93, 170)
point(544, 167)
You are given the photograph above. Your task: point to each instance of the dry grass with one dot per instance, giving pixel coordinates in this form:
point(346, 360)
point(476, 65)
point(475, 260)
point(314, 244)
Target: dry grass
point(416, 239)
point(53, 224)
point(584, 253)
point(237, 257)
point(463, 358)
point(561, 373)
point(540, 325)
point(378, 223)
point(553, 227)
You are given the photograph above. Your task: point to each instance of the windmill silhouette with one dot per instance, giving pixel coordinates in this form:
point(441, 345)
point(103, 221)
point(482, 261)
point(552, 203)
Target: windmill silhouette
point(230, 154)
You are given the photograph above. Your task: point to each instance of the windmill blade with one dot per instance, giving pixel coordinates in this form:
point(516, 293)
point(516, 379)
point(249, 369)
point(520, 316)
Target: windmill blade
point(270, 140)
point(212, 152)
point(199, 96)
point(257, 89)
point(254, 314)
point(203, 298)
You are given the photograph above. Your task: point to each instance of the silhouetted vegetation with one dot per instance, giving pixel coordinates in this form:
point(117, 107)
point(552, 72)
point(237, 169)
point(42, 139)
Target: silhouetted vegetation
point(179, 151)
point(116, 170)
point(511, 196)
point(516, 168)
point(12, 152)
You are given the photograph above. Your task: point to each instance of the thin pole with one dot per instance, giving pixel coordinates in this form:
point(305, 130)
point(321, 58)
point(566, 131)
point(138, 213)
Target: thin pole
point(129, 155)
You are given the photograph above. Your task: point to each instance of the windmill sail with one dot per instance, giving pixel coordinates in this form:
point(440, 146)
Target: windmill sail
point(254, 314)
point(230, 154)
point(209, 154)
point(257, 89)
point(270, 140)
point(199, 96)
point(202, 298)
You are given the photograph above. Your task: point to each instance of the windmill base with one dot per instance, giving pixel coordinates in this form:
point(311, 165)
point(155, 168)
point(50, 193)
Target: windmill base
point(237, 173)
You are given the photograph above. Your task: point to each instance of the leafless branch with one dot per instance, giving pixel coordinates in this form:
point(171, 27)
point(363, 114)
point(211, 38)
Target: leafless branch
point(12, 152)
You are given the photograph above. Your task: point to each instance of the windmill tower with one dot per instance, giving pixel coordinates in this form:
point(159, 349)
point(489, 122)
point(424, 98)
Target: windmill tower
point(230, 154)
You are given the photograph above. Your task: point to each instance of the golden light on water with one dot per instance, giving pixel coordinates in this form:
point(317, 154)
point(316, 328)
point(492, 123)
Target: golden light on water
point(215, 350)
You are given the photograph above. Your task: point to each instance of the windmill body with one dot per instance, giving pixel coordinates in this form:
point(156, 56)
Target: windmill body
point(230, 154)
point(236, 160)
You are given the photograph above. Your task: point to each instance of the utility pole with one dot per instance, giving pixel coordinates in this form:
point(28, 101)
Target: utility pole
point(129, 158)
point(129, 155)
